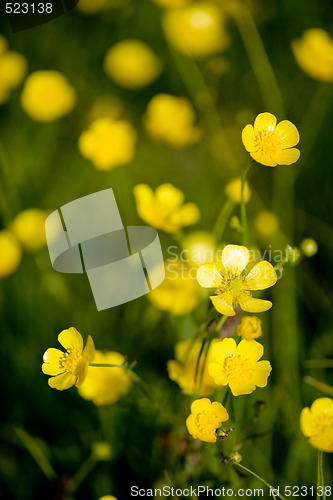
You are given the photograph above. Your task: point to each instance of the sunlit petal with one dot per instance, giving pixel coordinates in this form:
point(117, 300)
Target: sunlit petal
point(264, 158)
point(52, 362)
point(223, 303)
point(208, 276)
point(62, 382)
point(238, 389)
point(249, 138)
point(249, 304)
point(250, 349)
point(286, 156)
point(261, 374)
point(71, 339)
point(264, 121)
point(200, 405)
point(288, 134)
point(235, 259)
point(261, 276)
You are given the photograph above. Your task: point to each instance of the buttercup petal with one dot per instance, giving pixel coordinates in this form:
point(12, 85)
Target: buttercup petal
point(261, 373)
point(215, 371)
point(169, 196)
point(235, 259)
point(223, 303)
point(223, 349)
point(249, 304)
point(238, 389)
point(143, 194)
point(62, 382)
point(250, 349)
point(288, 134)
point(208, 276)
point(89, 350)
point(264, 158)
point(200, 405)
point(220, 411)
point(322, 406)
point(306, 422)
point(188, 214)
point(249, 138)
point(71, 339)
point(192, 426)
point(261, 276)
point(264, 121)
point(286, 156)
point(52, 365)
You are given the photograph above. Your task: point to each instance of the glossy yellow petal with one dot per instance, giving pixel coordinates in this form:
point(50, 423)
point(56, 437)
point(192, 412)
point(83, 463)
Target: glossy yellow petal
point(238, 389)
point(200, 405)
point(215, 371)
point(223, 303)
point(250, 349)
point(71, 339)
point(223, 349)
point(261, 276)
point(264, 158)
point(89, 350)
point(264, 121)
point(249, 138)
point(249, 304)
point(220, 411)
point(144, 195)
point(235, 259)
point(192, 426)
point(322, 406)
point(261, 373)
point(169, 196)
point(52, 362)
point(286, 156)
point(208, 436)
point(306, 422)
point(288, 134)
point(62, 382)
point(208, 276)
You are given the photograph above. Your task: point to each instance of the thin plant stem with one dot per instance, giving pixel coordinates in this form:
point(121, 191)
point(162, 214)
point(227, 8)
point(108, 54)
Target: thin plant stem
point(320, 476)
point(321, 386)
point(83, 472)
point(222, 219)
point(243, 208)
point(260, 479)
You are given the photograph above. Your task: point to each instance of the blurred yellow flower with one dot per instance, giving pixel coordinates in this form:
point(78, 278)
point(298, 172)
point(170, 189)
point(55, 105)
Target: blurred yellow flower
point(68, 368)
point(171, 119)
point(199, 247)
point(232, 287)
point(107, 497)
point(101, 450)
point(132, 64)
point(234, 188)
point(29, 228)
point(106, 385)
point(108, 143)
point(197, 30)
point(172, 3)
point(3, 44)
point(206, 417)
point(182, 369)
point(164, 208)
point(309, 247)
point(314, 54)
point(317, 424)
point(13, 67)
point(10, 253)
point(238, 366)
point(235, 457)
point(266, 223)
point(47, 96)
point(249, 328)
point(91, 6)
point(271, 144)
point(179, 293)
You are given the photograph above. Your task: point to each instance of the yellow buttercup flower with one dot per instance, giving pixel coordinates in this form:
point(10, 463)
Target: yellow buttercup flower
point(10, 253)
point(68, 368)
point(249, 328)
point(197, 30)
point(47, 96)
point(232, 287)
point(108, 143)
point(132, 64)
point(309, 247)
point(317, 424)
point(199, 247)
point(106, 385)
point(179, 293)
point(234, 189)
point(266, 223)
point(182, 369)
point(13, 67)
point(171, 120)
point(238, 366)
point(271, 144)
point(164, 208)
point(314, 54)
point(206, 417)
point(29, 228)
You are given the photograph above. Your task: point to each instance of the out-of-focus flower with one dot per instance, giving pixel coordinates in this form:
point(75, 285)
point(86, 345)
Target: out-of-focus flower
point(234, 188)
point(101, 450)
point(107, 497)
point(29, 228)
point(182, 369)
point(235, 457)
point(179, 293)
point(47, 96)
point(164, 208)
point(205, 418)
point(249, 328)
point(108, 143)
point(132, 64)
point(106, 385)
point(197, 29)
point(10, 253)
point(171, 120)
point(314, 54)
point(309, 247)
point(317, 424)
point(238, 366)
point(172, 3)
point(232, 287)
point(13, 67)
point(271, 144)
point(266, 223)
point(68, 368)
point(91, 6)
point(199, 247)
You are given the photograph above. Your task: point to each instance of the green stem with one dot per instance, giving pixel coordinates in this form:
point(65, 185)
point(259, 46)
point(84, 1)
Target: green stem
point(223, 218)
point(260, 479)
point(83, 472)
point(318, 363)
point(320, 476)
point(321, 386)
point(243, 207)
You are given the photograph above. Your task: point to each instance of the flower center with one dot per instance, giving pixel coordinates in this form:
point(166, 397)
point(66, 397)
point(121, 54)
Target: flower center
point(207, 421)
point(238, 368)
point(322, 423)
point(268, 141)
point(70, 360)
